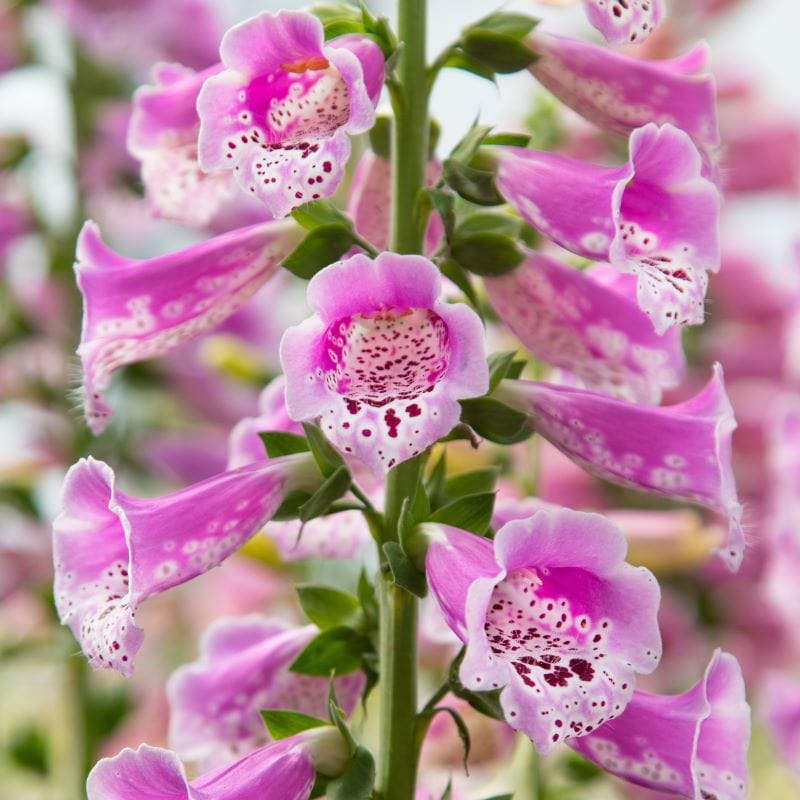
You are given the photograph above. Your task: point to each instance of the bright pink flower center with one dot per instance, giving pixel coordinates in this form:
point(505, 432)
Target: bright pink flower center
point(382, 356)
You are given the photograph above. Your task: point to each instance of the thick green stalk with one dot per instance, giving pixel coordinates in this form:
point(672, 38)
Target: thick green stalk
point(410, 129)
point(397, 761)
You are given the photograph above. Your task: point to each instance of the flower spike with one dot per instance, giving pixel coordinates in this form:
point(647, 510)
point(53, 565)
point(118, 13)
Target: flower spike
point(113, 551)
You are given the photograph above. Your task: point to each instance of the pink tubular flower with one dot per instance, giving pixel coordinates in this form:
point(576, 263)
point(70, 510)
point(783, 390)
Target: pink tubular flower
point(113, 551)
point(369, 204)
point(243, 668)
point(384, 361)
point(281, 112)
point(163, 136)
point(620, 93)
point(282, 770)
point(624, 21)
point(550, 611)
point(588, 323)
point(655, 217)
point(682, 451)
point(135, 310)
point(692, 744)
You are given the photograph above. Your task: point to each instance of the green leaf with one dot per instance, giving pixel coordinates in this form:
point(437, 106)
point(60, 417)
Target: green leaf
point(280, 443)
point(337, 650)
point(321, 212)
point(475, 185)
point(357, 780)
point(488, 222)
point(460, 277)
point(282, 724)
point(466, 149)
point(322, 246)
point(461, 727)
point(470, 513)
point(325, 454)
point(499, 365)
point(404, 572)
point(487, 703)
point(495, 421)
point(291, 505)
point(320, 502)
point(501, 797)
point(478, 481)
point(487, 254)
point(366, 596)
point(510, 24)
point(336, 716)
point(498, 51)
point(435, 483)
point(28, 750)
point(444, 203)
point(380, 136)
point(458, 59)
point(327, 607)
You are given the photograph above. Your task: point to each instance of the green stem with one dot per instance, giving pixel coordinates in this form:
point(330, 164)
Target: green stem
point(397, 762)
point(410, 128)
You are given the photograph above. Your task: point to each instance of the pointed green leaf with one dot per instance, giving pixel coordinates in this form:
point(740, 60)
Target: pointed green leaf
point(282, 724)
point(478, 481)
point(280, 443)
point(322, 246)
point(358, 779)
point(337, 650)
point(499, 365)
point(321, 212)
point(321, 501)
point(495, 421)
point(475, 185)
point(487, 703)
point(327, 607)
point(470, 513)
point(404, 572)
point(325, 454)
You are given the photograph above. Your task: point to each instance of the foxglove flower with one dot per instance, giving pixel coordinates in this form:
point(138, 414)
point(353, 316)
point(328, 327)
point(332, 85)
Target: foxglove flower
point(655, 217)
point(243, 668)
point(624, 21)
point(342, 535)
point(283, 770)
point(620, 93)
point(163, 136)
point(682, 451)
point(692, 744)
point(780, 710)
point(135, 310)
point(589, 324)
point(384, 361)
point(281, 112)
point(369, 203)
point(113, 551)
point(550, 611)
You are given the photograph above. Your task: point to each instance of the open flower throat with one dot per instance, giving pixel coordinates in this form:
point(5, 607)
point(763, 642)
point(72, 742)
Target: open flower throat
point(382, 356)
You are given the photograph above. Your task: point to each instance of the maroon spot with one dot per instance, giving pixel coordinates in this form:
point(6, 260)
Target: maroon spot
point(413, 410)
point(392, 421)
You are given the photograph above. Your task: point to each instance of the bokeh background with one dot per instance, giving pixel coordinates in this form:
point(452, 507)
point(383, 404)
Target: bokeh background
point(67, 71)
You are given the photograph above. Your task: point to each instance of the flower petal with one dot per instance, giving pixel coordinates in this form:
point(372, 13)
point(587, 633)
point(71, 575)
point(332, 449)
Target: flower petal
point(113, 551)
point(135, 310)
point(692, 744)
point(620, 92)
point(682, 452)
point(573, 320)
point(624, 21)
point(243, 668)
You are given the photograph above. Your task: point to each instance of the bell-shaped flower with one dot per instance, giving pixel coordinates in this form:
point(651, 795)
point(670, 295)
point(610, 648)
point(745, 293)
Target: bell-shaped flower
point(243, 668)
point(551, 612)
point(384, 360)
point(163, 135)
point(692, 744)
point(139, 309)
point(280, 114)
point(624, 21)
point(588, 323)
point(282, 770)
point(369, 201)
point(682, 451)
point(620, 92)
point(113, 551)
point(655, 217)
point(341, 535)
